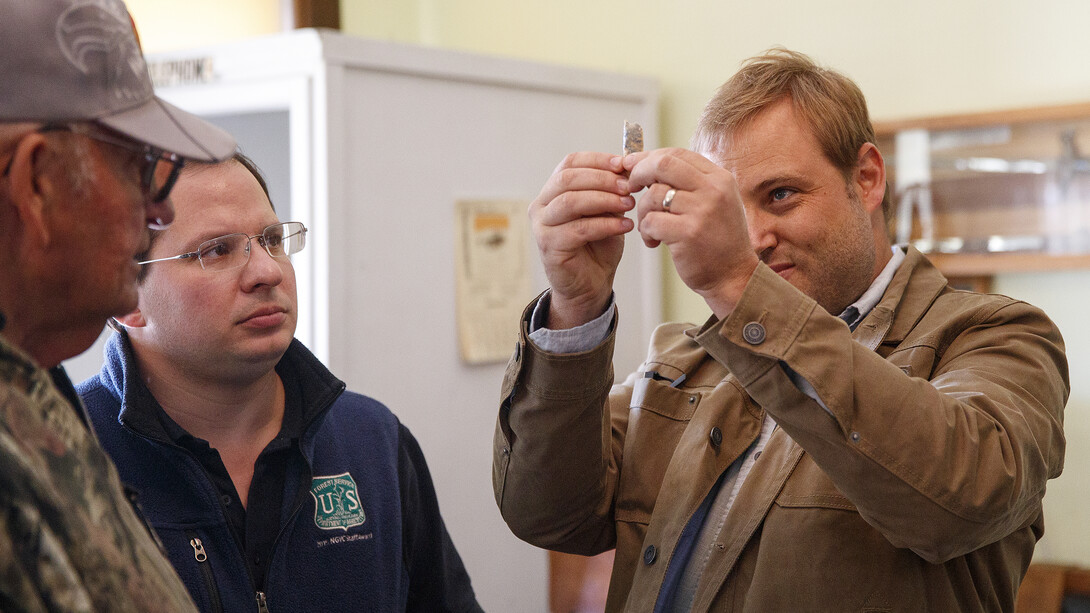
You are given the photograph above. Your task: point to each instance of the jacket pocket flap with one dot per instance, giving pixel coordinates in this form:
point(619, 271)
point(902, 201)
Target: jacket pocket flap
point(809, 487)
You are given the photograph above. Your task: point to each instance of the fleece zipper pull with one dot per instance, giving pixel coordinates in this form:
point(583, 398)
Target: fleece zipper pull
point(201, 556)
point(198, 549)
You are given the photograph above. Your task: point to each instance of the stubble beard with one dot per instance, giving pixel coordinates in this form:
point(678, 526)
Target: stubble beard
point(848, 267)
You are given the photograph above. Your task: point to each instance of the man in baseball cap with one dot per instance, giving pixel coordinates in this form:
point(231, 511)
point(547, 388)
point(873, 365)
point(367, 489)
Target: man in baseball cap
point(88, 157)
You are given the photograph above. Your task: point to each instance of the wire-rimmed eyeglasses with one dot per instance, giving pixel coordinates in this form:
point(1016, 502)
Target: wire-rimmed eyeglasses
point(159, 169)
point(233, 250)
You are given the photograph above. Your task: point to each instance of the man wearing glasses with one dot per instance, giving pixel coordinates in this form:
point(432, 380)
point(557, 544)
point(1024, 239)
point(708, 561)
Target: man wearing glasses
point(88, 156)
point(263, 477)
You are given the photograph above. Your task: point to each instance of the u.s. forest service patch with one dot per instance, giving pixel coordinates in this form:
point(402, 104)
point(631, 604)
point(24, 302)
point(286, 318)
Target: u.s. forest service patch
point(336, 502)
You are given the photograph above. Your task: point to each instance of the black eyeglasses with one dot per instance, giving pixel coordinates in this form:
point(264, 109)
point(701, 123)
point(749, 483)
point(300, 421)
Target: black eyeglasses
point(158, 170)
point(233, 250)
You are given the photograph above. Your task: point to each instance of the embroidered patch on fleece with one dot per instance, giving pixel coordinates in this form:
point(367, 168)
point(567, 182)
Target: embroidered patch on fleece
point(336, 502)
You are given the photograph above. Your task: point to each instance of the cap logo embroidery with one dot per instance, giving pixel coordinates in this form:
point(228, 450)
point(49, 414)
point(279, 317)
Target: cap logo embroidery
point(336, 502)
point(97, 37)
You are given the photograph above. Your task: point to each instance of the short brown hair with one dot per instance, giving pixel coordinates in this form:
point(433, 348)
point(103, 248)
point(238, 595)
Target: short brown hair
point(829, 102)
point(192, 166)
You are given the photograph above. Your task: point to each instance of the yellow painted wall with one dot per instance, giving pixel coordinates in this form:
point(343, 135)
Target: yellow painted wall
point(166, 24)
point(910, 58)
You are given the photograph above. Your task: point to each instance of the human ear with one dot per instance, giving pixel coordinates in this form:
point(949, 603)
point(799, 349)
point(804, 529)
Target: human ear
point(30, 189)
point(133, 320)
point(870, 177)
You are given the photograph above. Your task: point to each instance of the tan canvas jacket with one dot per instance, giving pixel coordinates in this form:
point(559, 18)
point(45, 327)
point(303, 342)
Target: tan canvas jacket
point(918, 490)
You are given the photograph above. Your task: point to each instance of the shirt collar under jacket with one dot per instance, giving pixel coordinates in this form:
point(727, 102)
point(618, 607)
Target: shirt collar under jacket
point(877, 288)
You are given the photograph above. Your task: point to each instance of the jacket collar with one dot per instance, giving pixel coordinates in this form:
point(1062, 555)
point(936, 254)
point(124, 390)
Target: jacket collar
point(910, 293)
point(18, 370)
point(141, 412)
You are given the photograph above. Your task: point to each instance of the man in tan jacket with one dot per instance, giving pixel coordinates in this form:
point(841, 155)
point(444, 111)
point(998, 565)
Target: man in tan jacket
point(845, 433)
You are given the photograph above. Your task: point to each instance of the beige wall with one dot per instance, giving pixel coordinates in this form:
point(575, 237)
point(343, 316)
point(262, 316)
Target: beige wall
point(911, 59)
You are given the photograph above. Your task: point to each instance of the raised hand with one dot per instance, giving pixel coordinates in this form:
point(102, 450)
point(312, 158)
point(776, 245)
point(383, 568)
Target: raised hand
point(579, 225)
point(704, 227)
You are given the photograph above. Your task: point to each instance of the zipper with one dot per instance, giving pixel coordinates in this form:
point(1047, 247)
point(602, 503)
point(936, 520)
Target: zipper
point(199, 553)
point(134, 501)
point(262, 604)
point(201, 556)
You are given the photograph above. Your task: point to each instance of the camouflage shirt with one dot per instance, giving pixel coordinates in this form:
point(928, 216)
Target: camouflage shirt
point(69, 537)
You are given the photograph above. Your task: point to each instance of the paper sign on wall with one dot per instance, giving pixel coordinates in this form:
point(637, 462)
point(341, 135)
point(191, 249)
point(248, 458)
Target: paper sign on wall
point(493, 276)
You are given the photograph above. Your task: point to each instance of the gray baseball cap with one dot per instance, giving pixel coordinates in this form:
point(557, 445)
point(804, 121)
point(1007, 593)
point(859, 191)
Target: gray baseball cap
point(80, 60)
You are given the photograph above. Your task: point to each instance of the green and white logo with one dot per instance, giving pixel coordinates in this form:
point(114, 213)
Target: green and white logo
point(336, 502)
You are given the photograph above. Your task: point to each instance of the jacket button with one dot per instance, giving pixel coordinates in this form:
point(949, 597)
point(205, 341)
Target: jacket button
point(753, 333)
point(716, 436)
point(649, 555)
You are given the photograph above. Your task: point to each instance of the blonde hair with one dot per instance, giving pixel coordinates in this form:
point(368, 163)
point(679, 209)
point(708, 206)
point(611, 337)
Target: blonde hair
point(829, 102)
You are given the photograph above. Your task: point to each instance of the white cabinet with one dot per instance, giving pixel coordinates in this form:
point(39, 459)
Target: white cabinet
point(371, 144)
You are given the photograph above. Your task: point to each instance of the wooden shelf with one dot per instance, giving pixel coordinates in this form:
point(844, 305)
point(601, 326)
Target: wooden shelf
point(988, 264)
point(1049, 197)
point(1064, 112)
